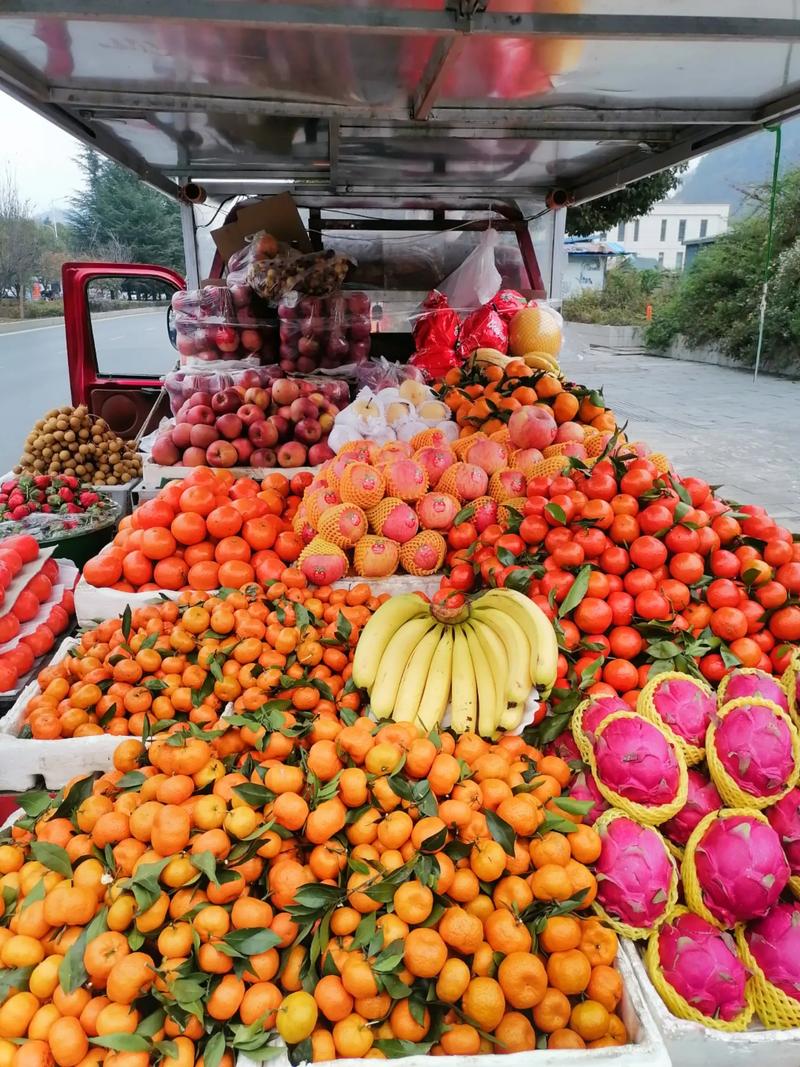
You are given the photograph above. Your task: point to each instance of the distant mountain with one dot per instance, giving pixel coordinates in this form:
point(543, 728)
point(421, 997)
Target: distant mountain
point(722, 176)
point(54, 214)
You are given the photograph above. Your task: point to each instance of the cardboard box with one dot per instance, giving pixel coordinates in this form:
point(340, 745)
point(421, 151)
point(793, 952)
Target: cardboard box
point(277, 215)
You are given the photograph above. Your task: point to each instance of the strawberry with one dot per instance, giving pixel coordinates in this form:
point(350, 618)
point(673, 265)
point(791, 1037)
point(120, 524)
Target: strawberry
point(15, 499)
point(20, 512)
point(66, 494)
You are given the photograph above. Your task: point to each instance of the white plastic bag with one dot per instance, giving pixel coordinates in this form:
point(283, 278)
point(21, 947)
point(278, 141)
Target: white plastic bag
point(477, 279)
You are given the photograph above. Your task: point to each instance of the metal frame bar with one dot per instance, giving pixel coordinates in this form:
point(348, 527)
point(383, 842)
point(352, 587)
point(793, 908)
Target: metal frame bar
point(380, 20)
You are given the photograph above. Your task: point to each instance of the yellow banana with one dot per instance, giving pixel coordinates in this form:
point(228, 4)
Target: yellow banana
point(415, 676)
point(383, 694)
point(464, 695)
point(515, 642)
point(436, 696)
point(488, 702)
point(539, 629)
point(496, 656)
point(512, 716)
point(538, 361)
point(376, 635)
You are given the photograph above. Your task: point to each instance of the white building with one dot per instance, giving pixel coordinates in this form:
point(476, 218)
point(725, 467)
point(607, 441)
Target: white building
point(659, 236)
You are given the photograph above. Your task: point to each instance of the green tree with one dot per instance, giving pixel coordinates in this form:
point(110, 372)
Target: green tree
point(117, 217)
point(719, 297)
point(632, 202)
point(23, 241)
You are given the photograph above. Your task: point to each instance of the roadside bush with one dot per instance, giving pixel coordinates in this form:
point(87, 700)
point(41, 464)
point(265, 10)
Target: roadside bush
point(41, 309)
point(624, 300)
point(718, 299)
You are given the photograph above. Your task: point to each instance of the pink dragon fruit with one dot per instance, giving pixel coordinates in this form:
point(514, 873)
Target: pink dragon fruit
point(775, 944)
point(702, 799)
point(752, 682)
point(634, 871)
point(701, 963)
point(563, 746)
point(599, 710)
point(784, 818)
point(636, 760)
point(755, 748)
point(685, 706)
point(585, 788)
point(741, 868)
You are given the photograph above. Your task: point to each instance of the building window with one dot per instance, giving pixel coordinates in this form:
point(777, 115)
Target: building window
point(703, 227)
point(682, 229)
point(663, 229)
point(679, 261)
point(636, 230)
point(661, 258)
point(621, 232)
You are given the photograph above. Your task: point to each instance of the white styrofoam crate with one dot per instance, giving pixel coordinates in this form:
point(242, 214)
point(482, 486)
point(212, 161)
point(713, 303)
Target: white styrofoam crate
point(646, 1049)
point(691, 1044)
point(153, 474)
point(24, 760)
point(120, 494)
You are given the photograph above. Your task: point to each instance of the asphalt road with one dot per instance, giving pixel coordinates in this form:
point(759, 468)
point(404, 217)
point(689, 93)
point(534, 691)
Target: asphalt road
point(711, 421)
point(33, 366)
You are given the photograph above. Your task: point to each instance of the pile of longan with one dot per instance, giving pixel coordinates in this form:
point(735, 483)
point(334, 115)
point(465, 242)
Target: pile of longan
point(73, 441)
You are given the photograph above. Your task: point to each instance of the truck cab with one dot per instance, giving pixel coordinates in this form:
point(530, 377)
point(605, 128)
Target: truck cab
point(119, 322)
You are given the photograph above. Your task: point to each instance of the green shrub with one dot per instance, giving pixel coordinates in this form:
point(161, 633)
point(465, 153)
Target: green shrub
point(40, 309)
point(718, 299)
point(623, 301)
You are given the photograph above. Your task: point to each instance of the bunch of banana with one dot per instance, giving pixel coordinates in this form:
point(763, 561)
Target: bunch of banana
point(482, 664)
point(542, 361)
point(491, 355)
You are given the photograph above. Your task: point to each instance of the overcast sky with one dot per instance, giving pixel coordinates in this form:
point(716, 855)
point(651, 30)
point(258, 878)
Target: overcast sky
point(39, 154)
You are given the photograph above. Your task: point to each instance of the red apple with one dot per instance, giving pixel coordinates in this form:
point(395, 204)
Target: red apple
point(251, 340)
point(326, 422)
point(244, 450)
point(202, 436)
point(194, 457)
point(302, 408)
point(263, 434)
point(308, 431)
point(181, 435)
point(259, 397)
point(359, 351)
point(249, 413)
point(284, 391)
point(281, 424)
point(222, 454)
point(321, 452)
point(226, 400)
point(164, 451)
point(199, 399)
point(240, 294)
point(249, 378)
point(306, 364)
point(229, 425)
point(227, 340)
point(185, 344)
point(263, 457)
point(200, 416)
point(291, 454)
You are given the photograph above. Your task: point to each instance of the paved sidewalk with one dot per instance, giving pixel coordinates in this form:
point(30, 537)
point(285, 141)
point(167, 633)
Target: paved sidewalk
point(711, 421)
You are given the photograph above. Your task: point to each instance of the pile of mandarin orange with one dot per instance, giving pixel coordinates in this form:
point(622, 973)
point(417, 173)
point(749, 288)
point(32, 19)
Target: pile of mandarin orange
point(293, 870)
point(186, 660)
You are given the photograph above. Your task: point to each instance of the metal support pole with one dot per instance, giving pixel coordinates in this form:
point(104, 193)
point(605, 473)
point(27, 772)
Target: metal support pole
point(768, 257)
point(190, 247)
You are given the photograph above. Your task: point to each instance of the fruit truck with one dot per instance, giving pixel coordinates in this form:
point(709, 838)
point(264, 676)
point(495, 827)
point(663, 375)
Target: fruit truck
point(402, 127)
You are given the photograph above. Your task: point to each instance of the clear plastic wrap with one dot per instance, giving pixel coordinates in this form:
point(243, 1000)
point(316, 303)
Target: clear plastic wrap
point(51, 508)
point(323, 332)
point(272, 421)
point(379, 374)
point(218, 323)
point(182, 384)
point(274, 269)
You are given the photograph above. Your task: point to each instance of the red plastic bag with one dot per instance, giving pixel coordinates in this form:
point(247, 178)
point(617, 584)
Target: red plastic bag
point(434, 361)
point(484, 328)
point(507, 302)
point(438, 325)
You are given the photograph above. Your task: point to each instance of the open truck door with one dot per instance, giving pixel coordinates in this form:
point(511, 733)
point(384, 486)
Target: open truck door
point(119, 340)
